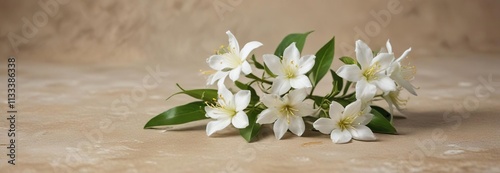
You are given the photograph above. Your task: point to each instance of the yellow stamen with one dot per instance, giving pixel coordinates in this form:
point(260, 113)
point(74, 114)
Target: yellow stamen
point(371, 73)
point(290, 70)
point(288, 111)
point(207, 72)
point(223, 50)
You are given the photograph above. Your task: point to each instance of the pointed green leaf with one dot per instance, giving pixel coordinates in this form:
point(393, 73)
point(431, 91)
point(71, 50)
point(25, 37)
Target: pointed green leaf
point(347, 60)
point(382, 111)
point(256, 63)
point(178, 115)
point(201, 94)
point(380, 124)
point(323, 61)
point(298, 38)
point(253, 128)
point(346, 88)
point(338, 83)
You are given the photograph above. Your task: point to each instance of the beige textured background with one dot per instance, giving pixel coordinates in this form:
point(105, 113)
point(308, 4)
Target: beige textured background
point(138, 31)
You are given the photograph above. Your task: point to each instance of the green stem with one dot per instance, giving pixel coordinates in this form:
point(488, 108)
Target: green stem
point(252, 76)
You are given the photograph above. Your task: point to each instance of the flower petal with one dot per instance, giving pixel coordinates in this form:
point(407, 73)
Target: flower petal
point(363, 119)
point(280, 127)
point(384, 60)
point(336, 110)
point(404, 55)
point(304, 109)
point(352, 109)
point(404, 83)
point(246, 68)
point(306, 63)
point(364, 54)
point(297, 125)
point(340, 136)
point(217, 62)
point(267, 116)
point(296, 96)
point(388, 99)
point(300, 81)
point(270, 100)
point(350, 72)
point(280, 86)
point(214, 126)
point(385, 83)
point(362, 133)
point(241, 99)
point(240, 120)
point(324, 125)
point(245, 51)
point(273, 63)
point(233, 43)
point(291, 53)
point(226, 98)
point(234, 74)
point(216, 76)
point(365, 91)
point(388, 46)
point(215, 113)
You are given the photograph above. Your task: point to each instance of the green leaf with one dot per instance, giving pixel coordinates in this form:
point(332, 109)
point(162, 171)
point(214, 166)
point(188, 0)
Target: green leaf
point(298, 38)
point(338, 83)
point(382, 111)
point(346, 88)
point(323, 61)
point(254, 97)
point(178, 115)
point(257, 64)
point(380, 124)
point(318, 100)
point(253, 128)
point(201, 94)
point(347, 60)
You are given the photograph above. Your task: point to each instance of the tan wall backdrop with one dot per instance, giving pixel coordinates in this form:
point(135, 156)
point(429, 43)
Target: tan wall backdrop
point(122, 32)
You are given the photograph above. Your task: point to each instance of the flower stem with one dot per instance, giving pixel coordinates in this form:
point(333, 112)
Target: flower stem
point(252, 76)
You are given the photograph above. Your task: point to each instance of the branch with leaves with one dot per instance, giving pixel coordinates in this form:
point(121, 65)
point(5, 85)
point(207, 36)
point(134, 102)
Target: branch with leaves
point(285, 95)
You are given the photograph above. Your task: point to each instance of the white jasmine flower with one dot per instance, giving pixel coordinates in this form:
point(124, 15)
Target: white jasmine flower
point(228, 110)
point(394, 100)
point(230, 60)
point(285, 112)
point(348, 123)
point(371, 75)
point(290, 71)
point(402, 75)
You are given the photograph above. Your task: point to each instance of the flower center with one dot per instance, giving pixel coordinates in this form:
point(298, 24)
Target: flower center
point(371, 73)
point(398, 101)
point(288, 111)
point(344, 124)
point(347, 122)
point(223, 50)
point(233, 60)
point(290, 70)
point(224, 109)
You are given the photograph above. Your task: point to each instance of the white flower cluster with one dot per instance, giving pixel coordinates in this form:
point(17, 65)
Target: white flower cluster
point(285, 103)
